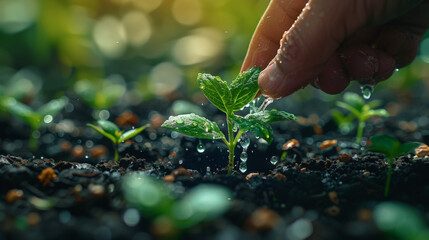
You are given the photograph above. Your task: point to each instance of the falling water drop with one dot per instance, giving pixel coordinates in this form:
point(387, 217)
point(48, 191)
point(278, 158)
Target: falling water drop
point(267, 101)
point(244, 141)
point(200, 147)
point(367, 91)
point(396, 69)
point(244, 156)
point(274, 160)
point(243, 167)
point(235, 127)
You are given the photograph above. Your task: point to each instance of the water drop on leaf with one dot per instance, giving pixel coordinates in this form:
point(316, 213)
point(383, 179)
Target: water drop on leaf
point(274, 160)
point(367, 91)
point(243, 167)
point(200, 147)
point(244, 156)
point(244, 141)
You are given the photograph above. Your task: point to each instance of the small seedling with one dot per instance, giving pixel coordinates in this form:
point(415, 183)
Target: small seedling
point(35, 119)
point(229, 98)
point(358, 109)
point(391, 148)
point(112, 132)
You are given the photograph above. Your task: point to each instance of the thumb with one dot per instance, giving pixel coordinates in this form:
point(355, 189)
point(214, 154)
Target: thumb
point(307, 47)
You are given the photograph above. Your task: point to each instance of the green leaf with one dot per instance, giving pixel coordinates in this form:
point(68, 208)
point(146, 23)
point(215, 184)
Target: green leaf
point(372, 113)
point(102, 132)
point(53, 107)
point(270, 116)
point(384, 144)
point(407, 148)
point(131, 133)
point(216, 91)
point(24, 112)
point(194, 125)
point(244, 88)
point(109, 127)
point(350, 108)
point(354, 100)
point(256, 126)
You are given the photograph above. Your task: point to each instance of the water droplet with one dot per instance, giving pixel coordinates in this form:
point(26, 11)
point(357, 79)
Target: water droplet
point(243, 167)
point(180, 121)
point(367, 91)
point(235, 127)
point(267, 101)
point(194, 124)
point(200, 147)
point(48, 118)
point(245, 141)
point(396, 69)
point(274, 160)
point(244, 156)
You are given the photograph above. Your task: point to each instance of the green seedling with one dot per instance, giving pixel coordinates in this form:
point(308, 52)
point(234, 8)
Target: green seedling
point(358, 109)
point(112, 132)
point(158, 200)
point(391, 148)
point(229, 98)
point(35, 119)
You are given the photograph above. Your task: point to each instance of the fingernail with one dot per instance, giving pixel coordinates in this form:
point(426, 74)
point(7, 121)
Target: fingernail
point(271, 80)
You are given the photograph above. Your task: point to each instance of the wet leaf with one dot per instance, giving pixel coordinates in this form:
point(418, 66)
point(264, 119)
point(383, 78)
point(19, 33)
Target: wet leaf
point(372, 113)
point(194, 125)
point(407, 148)
point(102, 132)
point(108, 127)
point(24, 112)
point(131, 133)
point(270, 116)
point(244, 88)
point(216, 91)
point(354, 100)
point(256, 126)
point(390, 146)
point(53, 107)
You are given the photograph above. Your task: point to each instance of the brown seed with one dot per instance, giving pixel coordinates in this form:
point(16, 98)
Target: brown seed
point(169, 178)
point(66, 146)
point(303, 169)
point(333, 196)
point(46, 176)
point(262, 219)
point(78, 152)
point(422, 150)
point(250, 175)
point(33, 219)
point(280, 177)
point(364, 215)
point(366, 173)
point(290, 144)
point(318, 130)
point(14, 195)
point(345, 158)
point(156, 120)
point(98, 151)
point(127, 118)
point(333, 211)
point(181, 171)
point(328, 143)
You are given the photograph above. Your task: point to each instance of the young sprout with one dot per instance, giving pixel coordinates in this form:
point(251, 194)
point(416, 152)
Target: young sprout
point(112, 132)
point(35, 119)
point(229, 98)
point(391, 148)
point(358, 109)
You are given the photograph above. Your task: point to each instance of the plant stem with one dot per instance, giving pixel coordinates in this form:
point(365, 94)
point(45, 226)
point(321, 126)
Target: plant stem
point(389, 175)
point(230, 144)
point(32, 142)
point(116, 152)
point(360, 131)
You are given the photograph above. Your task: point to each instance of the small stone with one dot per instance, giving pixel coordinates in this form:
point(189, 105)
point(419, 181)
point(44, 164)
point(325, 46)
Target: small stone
point(262, 219)
point(181, 172)
point(364, 215)
point(96, 190)
point(333, 196)
point(280, 177)
point(127, 118)
point(66, 146)
point(345, 158)
point(169, 178)
point(303, 169)
point(156, 120)
point(78, 152)
point(33, 219)
point(366, 173)
point(14, 195)
point(328, 143)
point(250, 175)
point(333, 211)
point(98, 151)
point(290, 144)
point(422, 150)
point(46, 176)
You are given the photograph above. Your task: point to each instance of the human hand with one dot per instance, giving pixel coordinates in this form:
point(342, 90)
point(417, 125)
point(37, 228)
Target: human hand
point(330, 42)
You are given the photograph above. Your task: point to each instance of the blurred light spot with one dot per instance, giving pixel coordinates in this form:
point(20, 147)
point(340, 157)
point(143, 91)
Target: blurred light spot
point(48, 118)
point(65, 216)
point(17, 15)
point(187, 12)
point(204, 45)
point(165, 78)
point(104, 114)
point(131, 217)
point(109, 35)
point(102, 233)
point(35, 134)
point(424, 49)
point(147, 5)
point(300, 229)
point(137, 28)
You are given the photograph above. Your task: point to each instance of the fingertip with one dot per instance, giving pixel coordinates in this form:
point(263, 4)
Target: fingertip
point(361, 62)
point(386, 66)
point(333, 79)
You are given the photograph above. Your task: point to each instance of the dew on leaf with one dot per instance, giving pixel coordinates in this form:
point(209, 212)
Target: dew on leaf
point(200, 147)
point(274, 160)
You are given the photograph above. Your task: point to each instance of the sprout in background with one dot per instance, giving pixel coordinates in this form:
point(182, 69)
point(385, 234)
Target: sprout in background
point(103, 94)
point(112, 132)
point(35, 119)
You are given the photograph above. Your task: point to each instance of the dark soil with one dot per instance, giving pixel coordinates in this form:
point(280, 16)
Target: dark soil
point(334, 194)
